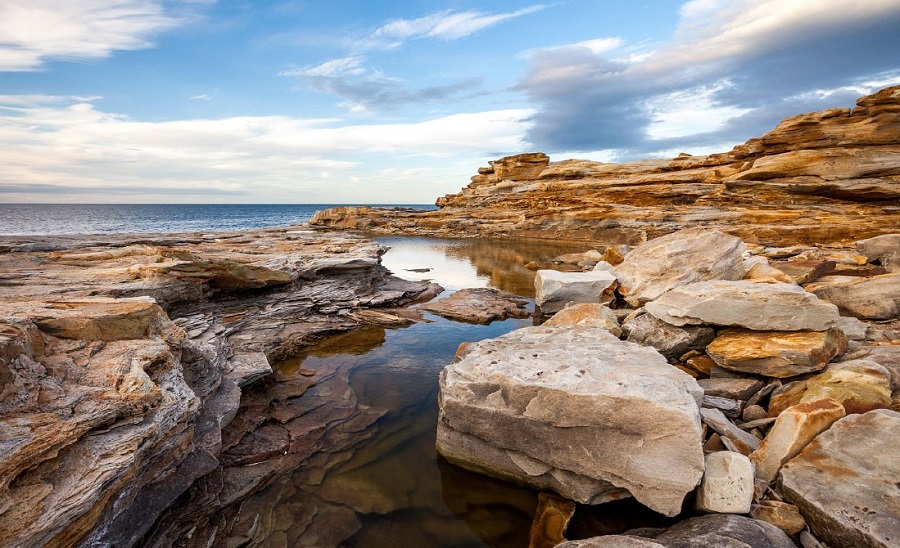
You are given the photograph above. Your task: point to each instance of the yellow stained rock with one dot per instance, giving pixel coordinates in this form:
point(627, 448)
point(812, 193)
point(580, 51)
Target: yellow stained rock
point(778, 354)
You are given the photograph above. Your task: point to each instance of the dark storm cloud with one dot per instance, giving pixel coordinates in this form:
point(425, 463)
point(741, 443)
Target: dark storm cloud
point(772, 59)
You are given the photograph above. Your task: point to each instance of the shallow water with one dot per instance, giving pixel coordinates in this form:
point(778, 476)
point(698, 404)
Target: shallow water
point(390, 488)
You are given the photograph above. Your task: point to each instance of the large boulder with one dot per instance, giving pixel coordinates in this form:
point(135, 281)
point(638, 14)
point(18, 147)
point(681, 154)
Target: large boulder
point(577, 411)
point(845, 481)
point(554, 289)
point(683, 257)
point(761, 307)
point(779, 354)
point(875, 298)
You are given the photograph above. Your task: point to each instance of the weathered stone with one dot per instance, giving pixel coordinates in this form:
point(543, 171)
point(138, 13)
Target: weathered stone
point(746, 442)
point(753, 413)
point(687, 256)
point(550, 521)
point(481, 305)
point(701, 364)
point(759, 269)
point(885, 249)
point(527, 405)
point(845, 481)
point(853, 328)
point(761, 307)
point(802, 272)
point(736, 389)
point(729, 407)
point(669, 340)
point(611, 541)
point(724, 531)
point(615, 254)
point(875, 298)
point(785, 516)
point(554, 290)
point(727, 484)
point(778, 354)
point(587, 315)
point(585, 260)
point(794, 428)
point(858, 385)
point(887, 356)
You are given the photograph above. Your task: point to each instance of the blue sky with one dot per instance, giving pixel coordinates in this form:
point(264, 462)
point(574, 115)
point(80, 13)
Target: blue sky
point(351, 101)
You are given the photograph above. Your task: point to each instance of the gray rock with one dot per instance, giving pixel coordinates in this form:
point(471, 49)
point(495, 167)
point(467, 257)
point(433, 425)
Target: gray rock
point(611, 541)
point(885, 249)
point(716, 420)
point(669, 340)
point(673, 260)
point(554, 289)
point(855, 329)
point(845, 481)
point(724, 531)
point(875, 298)
point(736, 389)
point(727, 485)
point(729, 407)
point(576, 410)
point(762, 307)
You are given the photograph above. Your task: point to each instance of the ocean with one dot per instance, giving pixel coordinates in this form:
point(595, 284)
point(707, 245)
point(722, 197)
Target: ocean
point(48, 219)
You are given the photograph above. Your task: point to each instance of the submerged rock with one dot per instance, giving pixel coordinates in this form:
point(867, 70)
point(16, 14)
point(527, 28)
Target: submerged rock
point(577, 411)
point(479, 305)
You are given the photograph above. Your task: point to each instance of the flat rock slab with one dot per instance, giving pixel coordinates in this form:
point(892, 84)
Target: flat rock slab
point(554, 290)
point(757, 306)
point(683, 257)
point(480, 305)
point(575, 410)
point(736, 389)
point(875, 298)
point(845, 481)
point(779, 354)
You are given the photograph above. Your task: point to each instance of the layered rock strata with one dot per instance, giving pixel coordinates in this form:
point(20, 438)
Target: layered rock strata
point(829, 177)
point(123, 360)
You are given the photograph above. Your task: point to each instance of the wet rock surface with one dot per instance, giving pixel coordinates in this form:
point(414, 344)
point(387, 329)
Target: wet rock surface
point(479, 305)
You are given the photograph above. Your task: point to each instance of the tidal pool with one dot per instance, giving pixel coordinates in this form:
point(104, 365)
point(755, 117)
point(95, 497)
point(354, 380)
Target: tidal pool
point(383, 485)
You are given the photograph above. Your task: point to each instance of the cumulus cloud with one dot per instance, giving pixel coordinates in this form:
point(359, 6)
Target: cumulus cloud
point(745, 63)
point(36, 31)
point(60, 147)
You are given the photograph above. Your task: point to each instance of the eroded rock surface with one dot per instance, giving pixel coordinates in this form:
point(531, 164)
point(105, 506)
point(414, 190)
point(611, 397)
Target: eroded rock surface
point(479, 305)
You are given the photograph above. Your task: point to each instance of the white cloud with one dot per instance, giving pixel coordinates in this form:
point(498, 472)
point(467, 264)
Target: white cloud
point(448, 24)
point(69, 146)
point(343, 66)
point(201, 97)
point(36, 31)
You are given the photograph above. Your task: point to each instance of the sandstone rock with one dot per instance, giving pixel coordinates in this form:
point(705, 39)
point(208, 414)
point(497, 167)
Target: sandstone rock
point(887, 356)
point(785, 516)
point(759, 269)
point(753, 413)
point(570, 409)
point(479, 305)
point(853, 328)
point(724, 531)
point(794, 428)
point(587, 315)
point(554, 289)
point(615, 254)
point(550, 521)
point(669, 340)
point(730, 408)
point(876, 298)
point(844, 482)
point(858, 385)
point(778, 354)
point(611, 541)
point(802, 272)
point(885, 249)
point(745, 442)
point(761, 307)
point(102, 318)
point(605, 266)
point(687, 256)
point(736, 389)
point(727, 484)
point(586, 260)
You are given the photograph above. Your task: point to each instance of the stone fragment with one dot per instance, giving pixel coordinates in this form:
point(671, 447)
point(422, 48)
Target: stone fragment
point(714, 444)
point(858, 385)
point(587, 315)
point(794, 428)
point(785, 516)
point(803, 272)
point(809, 541)
point(730, 408)
point(605, 267)
point(248, 367)
point(853, 328)
point(727, 484)
point(875, 298)
point(778, 354)
point(683, 257)
point(715, 419)
point(701, 364)
point(753, 413)
point(554, 290)
point(575, 410)
point(550, 521)
point(885, 249)
point(761, 307)
point(481, 305)
point(736, 389)
point(759, 269)
point(845, 481)
point(887, 356)
point(669, 340)
point(615, 254)
point(724, 531)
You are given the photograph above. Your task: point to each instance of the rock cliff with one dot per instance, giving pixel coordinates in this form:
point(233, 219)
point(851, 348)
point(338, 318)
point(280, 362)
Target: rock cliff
point(828, 177)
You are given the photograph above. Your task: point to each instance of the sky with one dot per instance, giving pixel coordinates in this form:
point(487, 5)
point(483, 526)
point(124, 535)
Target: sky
point(400, 101)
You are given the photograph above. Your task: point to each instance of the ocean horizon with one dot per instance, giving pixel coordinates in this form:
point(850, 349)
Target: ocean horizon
point(60, 219)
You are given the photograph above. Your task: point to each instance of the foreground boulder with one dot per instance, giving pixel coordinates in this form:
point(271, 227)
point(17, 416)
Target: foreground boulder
point(554, 290)
point(761, 307)
point(575, 410)
point(845, 481)
point(686, 256)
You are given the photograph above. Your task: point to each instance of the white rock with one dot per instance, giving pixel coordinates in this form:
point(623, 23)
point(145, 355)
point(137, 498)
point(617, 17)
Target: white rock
point(727, 485)
point(555, 289)
point(761, 307)
point(576, 410)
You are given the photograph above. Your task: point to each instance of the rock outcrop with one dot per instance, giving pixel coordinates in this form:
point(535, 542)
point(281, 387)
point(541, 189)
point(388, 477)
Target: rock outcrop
point(817, 178)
